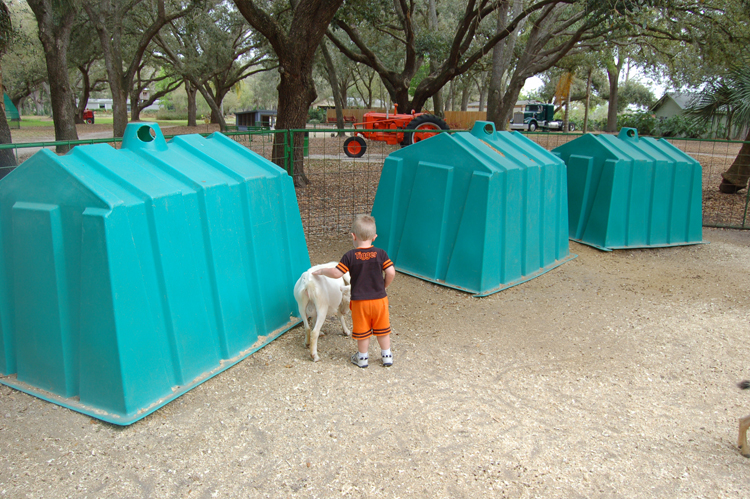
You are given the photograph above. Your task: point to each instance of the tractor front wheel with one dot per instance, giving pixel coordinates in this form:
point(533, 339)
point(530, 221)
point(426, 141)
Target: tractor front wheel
point(424, 127)
point(355, 147)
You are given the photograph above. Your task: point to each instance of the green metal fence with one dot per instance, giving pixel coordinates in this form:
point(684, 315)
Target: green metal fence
point(339, 187)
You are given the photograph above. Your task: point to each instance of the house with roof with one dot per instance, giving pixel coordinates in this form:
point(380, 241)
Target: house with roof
point(672, 104)
point(677, 103)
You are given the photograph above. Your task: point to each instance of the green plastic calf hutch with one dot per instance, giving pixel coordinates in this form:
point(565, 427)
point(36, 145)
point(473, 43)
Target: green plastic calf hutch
point(479, 211)
point(627, 191)
point(130, 276)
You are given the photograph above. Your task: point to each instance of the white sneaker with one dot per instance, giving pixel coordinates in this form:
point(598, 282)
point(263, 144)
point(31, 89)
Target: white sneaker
point(359, 361)
point(388, 360)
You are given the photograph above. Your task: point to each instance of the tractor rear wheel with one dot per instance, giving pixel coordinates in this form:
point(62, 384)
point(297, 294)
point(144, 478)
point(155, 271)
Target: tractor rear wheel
point(423, 127)
point(355, 147)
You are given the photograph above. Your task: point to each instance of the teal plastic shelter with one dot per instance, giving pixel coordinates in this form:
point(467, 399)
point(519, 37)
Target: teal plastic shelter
point(479, 211)
point(11, 112)
point(627, 191)
point(130, 276)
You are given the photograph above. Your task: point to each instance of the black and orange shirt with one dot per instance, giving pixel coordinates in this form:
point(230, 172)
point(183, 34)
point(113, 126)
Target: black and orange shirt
point(366, 266)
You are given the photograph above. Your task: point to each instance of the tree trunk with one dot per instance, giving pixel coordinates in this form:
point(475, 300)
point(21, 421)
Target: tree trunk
point(739, 172)
point(85, 93)
point(504, 110)
point(135, 108)
point(613, 73)
point(296, 94)
point(612, 106)
point(7, 158)
point(482, 87)
point(403, 99)
point(215, 109)
point(61, 97)
point(192, 108)
point(502, 54)
point(119, 108)
point(451, 96)
point(54, 33)
point(295, 48)
point(217, 113)
point(113, 65)
point(217, 95)
point(335, 88)
point(107, 19)
point(437, 99)
point(38, 105)
point(465, 97)
point(19, 102)
point(588, 101)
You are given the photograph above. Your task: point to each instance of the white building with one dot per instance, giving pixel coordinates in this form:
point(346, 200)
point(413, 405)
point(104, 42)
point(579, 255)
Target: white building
point(106, 105)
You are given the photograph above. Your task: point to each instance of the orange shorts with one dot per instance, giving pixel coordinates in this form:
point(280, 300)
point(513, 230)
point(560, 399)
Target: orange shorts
point(370, 317)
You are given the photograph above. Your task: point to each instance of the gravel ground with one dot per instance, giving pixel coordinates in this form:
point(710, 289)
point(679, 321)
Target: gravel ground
point(611, 376)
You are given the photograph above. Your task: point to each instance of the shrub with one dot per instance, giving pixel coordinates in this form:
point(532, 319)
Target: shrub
point(675, 126)
point(165, 114)
point(316, 114)
point(680, 126)
point(644, 122)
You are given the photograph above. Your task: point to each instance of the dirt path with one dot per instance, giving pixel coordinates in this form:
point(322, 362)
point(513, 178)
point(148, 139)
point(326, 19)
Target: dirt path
point(612, 376)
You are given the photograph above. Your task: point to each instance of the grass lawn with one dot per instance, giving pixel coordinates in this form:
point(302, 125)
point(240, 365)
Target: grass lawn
point(103, 119)
point(34, 121)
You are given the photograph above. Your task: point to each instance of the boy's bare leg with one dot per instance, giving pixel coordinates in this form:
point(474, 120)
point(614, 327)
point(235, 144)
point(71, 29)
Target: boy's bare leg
point(384, 341)
point(363, 346)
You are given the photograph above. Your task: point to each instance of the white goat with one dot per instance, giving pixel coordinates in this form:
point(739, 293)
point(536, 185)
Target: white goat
point(744, 425)
point(317, 296)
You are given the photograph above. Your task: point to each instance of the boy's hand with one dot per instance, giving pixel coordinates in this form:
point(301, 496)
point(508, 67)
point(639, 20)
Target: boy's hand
point(331, 272)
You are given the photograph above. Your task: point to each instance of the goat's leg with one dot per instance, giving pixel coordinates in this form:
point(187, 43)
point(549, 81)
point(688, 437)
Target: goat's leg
point(308, 330)
point(321, 318)
point(303, 313)
point(742, 441)
point(347, 332)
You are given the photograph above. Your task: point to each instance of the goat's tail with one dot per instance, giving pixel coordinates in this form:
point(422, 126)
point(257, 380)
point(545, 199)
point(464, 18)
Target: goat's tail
point(314, 293)
point(744, 384)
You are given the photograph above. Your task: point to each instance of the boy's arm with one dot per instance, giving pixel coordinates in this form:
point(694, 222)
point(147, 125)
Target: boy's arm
point(390, 273)
point(331, 272)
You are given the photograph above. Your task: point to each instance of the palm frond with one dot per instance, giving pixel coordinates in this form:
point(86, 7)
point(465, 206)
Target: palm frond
point(739, 92)
point(730, 95)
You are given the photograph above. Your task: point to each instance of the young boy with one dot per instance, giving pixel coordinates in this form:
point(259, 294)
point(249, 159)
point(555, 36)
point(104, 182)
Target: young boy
point(366, 265)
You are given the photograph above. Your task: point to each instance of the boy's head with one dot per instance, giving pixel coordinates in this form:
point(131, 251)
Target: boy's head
point(364, 227)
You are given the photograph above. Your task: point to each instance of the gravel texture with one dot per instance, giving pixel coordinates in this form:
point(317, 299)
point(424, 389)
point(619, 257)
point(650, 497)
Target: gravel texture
point(612, 376)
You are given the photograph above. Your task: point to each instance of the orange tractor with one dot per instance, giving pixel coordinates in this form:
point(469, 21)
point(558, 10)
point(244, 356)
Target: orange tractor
point(412, 128)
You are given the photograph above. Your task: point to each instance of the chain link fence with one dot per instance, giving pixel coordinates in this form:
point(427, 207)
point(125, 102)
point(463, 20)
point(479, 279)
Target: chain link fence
point(339, 186)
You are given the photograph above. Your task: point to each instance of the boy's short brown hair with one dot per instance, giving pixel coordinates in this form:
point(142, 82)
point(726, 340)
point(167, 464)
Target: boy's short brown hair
point(364, 227)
